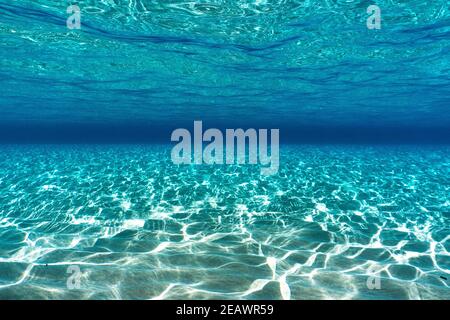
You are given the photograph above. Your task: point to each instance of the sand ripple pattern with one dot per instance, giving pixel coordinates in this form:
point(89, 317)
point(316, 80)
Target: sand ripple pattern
point(140, 227)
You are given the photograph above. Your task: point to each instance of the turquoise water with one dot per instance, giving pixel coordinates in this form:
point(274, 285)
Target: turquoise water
point(140, 227)
point(274, 63)
point(351, 214)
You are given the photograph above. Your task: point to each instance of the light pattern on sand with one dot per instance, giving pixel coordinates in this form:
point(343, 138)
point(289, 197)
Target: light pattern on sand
point(140, 227)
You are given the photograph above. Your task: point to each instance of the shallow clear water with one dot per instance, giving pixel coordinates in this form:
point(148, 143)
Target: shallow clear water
point(334, 218)
point(140, 227)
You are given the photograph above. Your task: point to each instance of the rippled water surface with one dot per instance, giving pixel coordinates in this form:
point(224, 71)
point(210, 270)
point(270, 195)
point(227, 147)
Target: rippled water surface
point(285, 61)
point(140, 227)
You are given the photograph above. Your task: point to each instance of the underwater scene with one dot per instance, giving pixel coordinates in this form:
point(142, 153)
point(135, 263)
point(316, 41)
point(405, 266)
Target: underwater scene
point(225, 149)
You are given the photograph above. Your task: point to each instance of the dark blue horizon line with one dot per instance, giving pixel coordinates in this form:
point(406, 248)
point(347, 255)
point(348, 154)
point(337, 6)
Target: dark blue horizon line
point(127, 133)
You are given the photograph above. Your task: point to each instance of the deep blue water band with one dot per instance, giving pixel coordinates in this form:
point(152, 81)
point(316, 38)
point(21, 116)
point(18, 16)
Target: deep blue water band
point(160, 133)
